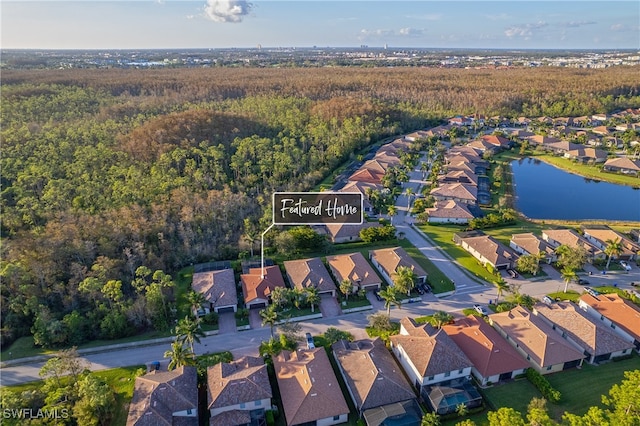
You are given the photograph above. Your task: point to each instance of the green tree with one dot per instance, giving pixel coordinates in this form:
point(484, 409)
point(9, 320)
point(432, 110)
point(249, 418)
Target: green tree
point(501, 287)
point(571, 257)
point(624, 400)
point(505, 416)
point(390, 296)
point(195, 300)
point(568, 275)
point(392, 211)
point(312, 296)
point(346, 287)
point(461, 409)
point(613, 249)
point(441, 318)
point(430, 419)
point(270, 316)
point(96, 402)
point(270, 348)
point(333, 335)
point(179, 355)
point(189, 331)
point(405, 279)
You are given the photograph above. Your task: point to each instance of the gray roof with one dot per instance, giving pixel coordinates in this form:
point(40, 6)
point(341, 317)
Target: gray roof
point(305, 273)
point(243, 380)
point(218, 287)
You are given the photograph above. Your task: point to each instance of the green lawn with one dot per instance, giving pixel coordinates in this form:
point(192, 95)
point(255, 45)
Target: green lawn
point(571, 295)
point(588, 171)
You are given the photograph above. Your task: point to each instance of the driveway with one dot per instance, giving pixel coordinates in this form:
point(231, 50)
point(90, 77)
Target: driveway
point(227, 323)
point(329, 306)
point(255, 320)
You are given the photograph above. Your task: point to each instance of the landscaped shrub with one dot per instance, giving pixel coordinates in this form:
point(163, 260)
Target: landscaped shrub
point(269, 417)
point(543, 385)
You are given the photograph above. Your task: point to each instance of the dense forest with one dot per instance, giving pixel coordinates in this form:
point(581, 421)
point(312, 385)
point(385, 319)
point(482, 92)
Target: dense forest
point(109, 175)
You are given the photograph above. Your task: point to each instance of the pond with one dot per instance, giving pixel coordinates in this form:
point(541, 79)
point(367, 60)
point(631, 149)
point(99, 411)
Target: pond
point(546, 192)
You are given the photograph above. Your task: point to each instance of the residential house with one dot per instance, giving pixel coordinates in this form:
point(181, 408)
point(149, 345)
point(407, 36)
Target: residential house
point(218, 288)
point(165, 397)
point(309, 389)
point(460, 121)
point(238, 392)
point(367, 175)
point(363, 188)
point(602, 131)
point(395, 147)
point(542, 140)
point(488, 251)
point(428, 355)
point(600, 236)
point(493, 359)
point(459, 176)
point(561, 147)
point(464, 153)
point(522, 134)
point(482, 146)
point(569, 237)
point(618, 313)
point(303, 273)
point(388, 260)
point(535, 339)
point(258, 284)
point(598, 342)
point(587, 155)
point(528, 243)
point(355, 268)
point(436, 365)
point(461, 192)
point(347, 232)
point(460, 163)
point(497, 141)
point(376, 383)
point(622, 165)
point(449, 211)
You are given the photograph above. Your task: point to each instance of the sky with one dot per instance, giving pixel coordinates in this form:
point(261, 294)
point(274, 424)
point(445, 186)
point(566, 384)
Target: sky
point(176, 24)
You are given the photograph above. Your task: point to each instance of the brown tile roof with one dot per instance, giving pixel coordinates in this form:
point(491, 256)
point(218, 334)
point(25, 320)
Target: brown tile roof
point(543, 344)
point(376, 165)
point(311, 272)
point(365, 175)
point(308, 386)
point(532, 244)
point(337, 231)
point(481, 145)
point(460, 191)
point(583, 152)
point(371, 373)
point(255, 287)
point(571, 238)
point(496, 140)
point(395, 146)
point(461, 165)
point(489, 352)
point(157, 395)
point(466, 152)
point(387, 158)
point(540, 139)
point(391, 258)
point(459, 176)
point(354, 267)
point(603, 234)
point(592, 336)
point(219, 287)
point(563, 146)
point(430, 350)
point(231, 418)
point(449, 209)
point(623, 163)
point(240, 381)
point(621, 311)
point(491, 249)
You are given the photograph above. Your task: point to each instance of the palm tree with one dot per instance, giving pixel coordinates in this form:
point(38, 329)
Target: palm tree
point(430, 419)
point(441, 318)
point(180, 355)
point(313, 297)
point(409, 193)
point(391, 211)
point(390, 296)
point(568, 275)
point(188, 331)
point(269, 316)
point(346, 287)
point(251, 235)
point(196, 300)
point(501, 287)
point(613, 248)
point(405, 279)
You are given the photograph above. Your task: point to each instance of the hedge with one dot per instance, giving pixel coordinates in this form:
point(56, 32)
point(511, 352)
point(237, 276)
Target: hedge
point(543, 385)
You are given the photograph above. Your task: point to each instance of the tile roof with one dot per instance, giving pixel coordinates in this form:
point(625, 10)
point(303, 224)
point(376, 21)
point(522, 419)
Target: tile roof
point(623, 163)
point(496, 140)
point(619, 310)
point(571, 238)
point(338, 231)
point(240, 381)
point(308, 386)
point(311, 272)
point(354, 267)
point(562, 146)
point(391, 258)
point(231, 418)
point(543, 344)
point(371, 373)
point(365, 175)
point(532, 244)
point(583, 152)
point(592, 336)
point(255, 287)
point(449, 209)
point(461, 191)
point(430, 350)
point(157, 395)
point(488, 351)
point(219, 287)
point(540, 139)
point(460, 176)
point(603, 234)
point(491, 249)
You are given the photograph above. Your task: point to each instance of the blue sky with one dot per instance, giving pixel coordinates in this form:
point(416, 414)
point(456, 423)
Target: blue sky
point(137, 24)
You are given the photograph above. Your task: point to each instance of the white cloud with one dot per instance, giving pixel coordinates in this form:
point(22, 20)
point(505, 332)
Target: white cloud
point(410, 32)
point(500, 17)
point(378, 34)
point(427, 17)
point(618, 27)
point(227, 10)
point(575, 24)
point(526, 30)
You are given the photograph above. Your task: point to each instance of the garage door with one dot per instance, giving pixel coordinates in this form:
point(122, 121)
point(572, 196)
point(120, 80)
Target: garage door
point(225, 309)
point(258, 305)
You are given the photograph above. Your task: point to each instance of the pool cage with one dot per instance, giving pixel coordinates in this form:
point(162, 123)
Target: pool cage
point(445, 399)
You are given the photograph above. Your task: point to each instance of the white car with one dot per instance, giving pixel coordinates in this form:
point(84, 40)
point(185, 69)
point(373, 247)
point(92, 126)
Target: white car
point(625, 265)
point(481, 310)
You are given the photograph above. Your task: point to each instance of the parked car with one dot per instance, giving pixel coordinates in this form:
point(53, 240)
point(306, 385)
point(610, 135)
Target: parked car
point(592, 292)
point(513, 273)
point(547, 300)
point(419, 289)
point(625, 265)
point(426, 288)
point(583, 282)
point(310, 343)
point(481, 310)
point(376, 293)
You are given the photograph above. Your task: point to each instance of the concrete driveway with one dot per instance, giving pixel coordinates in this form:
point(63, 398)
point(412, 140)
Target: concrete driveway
point(329, 306)
point(227, 323)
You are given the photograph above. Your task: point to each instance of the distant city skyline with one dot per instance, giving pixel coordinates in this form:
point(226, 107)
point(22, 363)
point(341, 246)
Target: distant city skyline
point(176, 24)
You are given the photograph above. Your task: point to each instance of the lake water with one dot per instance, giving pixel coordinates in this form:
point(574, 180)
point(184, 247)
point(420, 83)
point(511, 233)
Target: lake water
point(546, 192)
